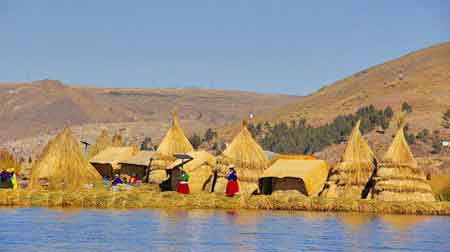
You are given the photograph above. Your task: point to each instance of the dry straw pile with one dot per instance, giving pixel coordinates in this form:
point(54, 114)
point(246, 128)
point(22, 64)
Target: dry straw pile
point(102, 142)
point(350, 178)
point(398, 177)
point(175, 142)
point(63, 165)
point(117, 140)
point(248, 158)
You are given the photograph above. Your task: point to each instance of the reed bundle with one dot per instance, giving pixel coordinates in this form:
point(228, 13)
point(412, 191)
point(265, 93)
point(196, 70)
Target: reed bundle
point(351, 176)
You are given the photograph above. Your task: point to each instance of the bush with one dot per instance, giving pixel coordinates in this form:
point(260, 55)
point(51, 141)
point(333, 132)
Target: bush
point(406, 107)
point(195, 140)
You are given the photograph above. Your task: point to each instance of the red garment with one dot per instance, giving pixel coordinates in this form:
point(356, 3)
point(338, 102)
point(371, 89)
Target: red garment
point(183, 187)
point(232, 188)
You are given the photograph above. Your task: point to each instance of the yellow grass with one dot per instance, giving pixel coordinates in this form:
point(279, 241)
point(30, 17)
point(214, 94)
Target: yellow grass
point(148, 197)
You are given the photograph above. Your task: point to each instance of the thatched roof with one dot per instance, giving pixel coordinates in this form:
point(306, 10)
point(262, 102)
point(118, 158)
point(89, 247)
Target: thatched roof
point(350, 177)
point(399, 151)
point(63, 164)
point(114, 155)
point(142, 158)
point(246, 155)
point(102, 142)
point(398, 177)
point(175, 141)
point(312, 172)
point(199, 158)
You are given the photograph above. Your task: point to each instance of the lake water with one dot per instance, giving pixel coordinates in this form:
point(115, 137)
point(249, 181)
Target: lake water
point(36, 229)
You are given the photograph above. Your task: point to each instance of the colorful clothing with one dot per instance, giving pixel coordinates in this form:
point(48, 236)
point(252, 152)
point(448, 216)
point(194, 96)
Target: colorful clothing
point(117, 181)
point(183, 186)
point(232, 184)
point(14, 181)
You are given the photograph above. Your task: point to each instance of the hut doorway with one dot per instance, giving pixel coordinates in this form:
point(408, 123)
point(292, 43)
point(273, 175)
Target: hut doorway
point(271, 185)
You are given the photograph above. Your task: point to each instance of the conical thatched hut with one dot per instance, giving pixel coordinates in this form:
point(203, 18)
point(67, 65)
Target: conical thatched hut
point(248, 159)
point(175, 142)
point(8, 161)
point(102, 142)
point(350, 178)
point(398, 177)
point(62, 165)
point(200, 170)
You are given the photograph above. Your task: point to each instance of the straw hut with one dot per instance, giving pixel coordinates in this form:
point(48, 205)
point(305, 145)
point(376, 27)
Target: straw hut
point(102, 142)
point(108, 161)
point(200, 170)
point(8, 161)
point(62, 165)
point(175, 142)
point(350, 178)
point(137, 164)
point(248, 159)
point(398, 177)
point(303, 174)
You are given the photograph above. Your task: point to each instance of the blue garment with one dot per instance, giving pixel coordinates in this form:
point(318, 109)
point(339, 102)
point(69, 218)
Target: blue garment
point(232, 176)
point(117, 181)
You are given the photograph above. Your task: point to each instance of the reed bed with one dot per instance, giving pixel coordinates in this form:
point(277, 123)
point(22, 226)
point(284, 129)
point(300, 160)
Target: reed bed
point(149, 197)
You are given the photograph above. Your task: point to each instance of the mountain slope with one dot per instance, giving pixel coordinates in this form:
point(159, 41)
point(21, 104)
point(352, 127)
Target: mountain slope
point(420, 78)
point(30, 109)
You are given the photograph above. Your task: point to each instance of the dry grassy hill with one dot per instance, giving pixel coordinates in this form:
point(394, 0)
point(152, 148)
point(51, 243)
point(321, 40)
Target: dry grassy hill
point(421, 78)
point(32, 112)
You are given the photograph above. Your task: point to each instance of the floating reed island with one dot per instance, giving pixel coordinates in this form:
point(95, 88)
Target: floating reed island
point(64, 177)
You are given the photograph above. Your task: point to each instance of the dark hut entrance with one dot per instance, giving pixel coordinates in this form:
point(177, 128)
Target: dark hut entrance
point(171, 184)
point(271, 185)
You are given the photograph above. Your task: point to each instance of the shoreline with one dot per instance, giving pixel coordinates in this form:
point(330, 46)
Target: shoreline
point(141, 199)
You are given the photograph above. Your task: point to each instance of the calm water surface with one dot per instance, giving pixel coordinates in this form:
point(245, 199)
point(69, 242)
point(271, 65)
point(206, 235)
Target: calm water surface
point(36, 229)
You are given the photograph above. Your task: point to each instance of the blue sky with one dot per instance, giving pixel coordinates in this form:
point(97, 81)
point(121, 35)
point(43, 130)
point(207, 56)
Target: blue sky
point(284, 46)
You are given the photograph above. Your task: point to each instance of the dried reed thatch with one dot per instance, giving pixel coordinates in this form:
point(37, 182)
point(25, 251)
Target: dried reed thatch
point(248, 159)
point(8, 161)
point(304, 174)
point(350, 178)
point(137, 164)
point(63, 165)
point(108, 161)
point(200, 169)
point(117, 140)
point(398, 177)
point(102, 142)
point(175, 142)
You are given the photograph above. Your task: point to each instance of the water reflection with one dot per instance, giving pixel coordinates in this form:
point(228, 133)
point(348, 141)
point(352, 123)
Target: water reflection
point(404, 222)
point(199, 230)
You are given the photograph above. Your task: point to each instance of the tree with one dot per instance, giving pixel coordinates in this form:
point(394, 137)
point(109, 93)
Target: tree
point(446, 119)
point(388, 112)
point(410, 138)
point(423, 135)
point(195, 140)
point(406, 108)
point(210, 135)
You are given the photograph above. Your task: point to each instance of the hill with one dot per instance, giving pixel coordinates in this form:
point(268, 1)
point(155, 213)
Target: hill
point(421, 78)
point(32, 112)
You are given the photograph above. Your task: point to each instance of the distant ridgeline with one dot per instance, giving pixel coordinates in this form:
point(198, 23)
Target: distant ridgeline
point(298, 137)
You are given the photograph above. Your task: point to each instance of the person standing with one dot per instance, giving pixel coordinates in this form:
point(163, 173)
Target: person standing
point(232, 184)
point(183, 185)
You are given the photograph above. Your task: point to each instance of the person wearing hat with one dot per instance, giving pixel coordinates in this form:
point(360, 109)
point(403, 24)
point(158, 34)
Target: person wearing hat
point(232, 184)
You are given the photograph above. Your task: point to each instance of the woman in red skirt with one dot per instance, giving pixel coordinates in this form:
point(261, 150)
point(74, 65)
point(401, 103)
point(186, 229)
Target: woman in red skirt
point(232, 184)
point(183, 186)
